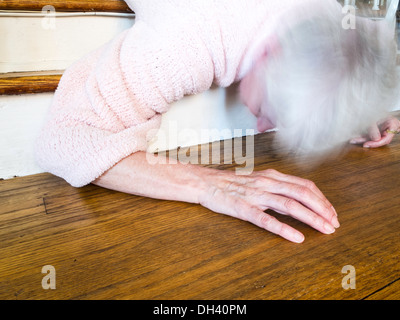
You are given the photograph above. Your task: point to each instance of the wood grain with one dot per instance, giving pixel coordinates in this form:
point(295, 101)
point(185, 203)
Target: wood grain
point(109, 245)
point(70, 5)
point(29, 84)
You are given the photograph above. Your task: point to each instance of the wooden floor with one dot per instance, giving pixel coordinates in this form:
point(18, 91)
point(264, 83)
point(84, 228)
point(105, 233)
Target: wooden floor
point(109, 245)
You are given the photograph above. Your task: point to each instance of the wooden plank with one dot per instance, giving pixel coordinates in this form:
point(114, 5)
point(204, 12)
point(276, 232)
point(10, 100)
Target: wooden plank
point(24, 84)
point(109, 245)
point(70, 5)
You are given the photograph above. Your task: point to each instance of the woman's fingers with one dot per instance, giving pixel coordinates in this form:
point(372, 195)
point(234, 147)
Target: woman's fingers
point(374, 133)
point(306, 183)
point(308, 199)
point(271, 224)
point(358, 140)
point(301, 190)
point(387, 129)
point(295, 209)
point(386, 139)
point(380, 134)
point(247, 197)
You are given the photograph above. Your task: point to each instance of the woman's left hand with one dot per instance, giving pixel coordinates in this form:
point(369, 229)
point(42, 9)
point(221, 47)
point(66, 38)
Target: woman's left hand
point(380, 134)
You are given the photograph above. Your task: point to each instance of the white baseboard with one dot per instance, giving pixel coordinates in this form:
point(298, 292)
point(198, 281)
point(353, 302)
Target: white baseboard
point(21, 118)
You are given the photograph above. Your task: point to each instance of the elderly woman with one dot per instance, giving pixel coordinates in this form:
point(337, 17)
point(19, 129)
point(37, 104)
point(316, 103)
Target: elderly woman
point(300, 70)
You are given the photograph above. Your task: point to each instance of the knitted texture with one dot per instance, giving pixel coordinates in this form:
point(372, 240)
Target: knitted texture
point(107, 102)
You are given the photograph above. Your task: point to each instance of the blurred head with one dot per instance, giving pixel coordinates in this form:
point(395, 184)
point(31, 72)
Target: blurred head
point(322, 84)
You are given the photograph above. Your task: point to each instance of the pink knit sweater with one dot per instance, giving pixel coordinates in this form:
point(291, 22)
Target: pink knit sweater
point(108, 101)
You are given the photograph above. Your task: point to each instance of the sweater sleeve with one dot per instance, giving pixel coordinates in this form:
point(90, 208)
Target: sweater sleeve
point(89, 129)
point(109, 104)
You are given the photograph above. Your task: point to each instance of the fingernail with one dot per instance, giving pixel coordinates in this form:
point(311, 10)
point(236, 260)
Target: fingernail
point(334, 210)
point(335, 222)
point(298, 237)
point(329, 229)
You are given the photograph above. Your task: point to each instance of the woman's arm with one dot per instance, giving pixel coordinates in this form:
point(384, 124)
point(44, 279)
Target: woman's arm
point(135, 175)
point(243, 197)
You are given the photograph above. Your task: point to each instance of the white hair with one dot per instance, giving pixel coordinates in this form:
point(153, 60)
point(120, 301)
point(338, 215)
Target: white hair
point(325, 84)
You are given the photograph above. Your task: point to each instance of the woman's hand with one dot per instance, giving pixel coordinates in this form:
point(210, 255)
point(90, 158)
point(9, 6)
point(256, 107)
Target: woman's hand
point(379, 134)
point(247, 197)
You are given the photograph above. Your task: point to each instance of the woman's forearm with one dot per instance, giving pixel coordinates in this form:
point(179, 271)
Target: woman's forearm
point(139, 176)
